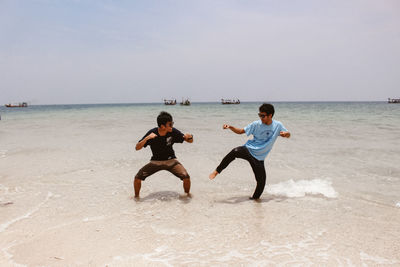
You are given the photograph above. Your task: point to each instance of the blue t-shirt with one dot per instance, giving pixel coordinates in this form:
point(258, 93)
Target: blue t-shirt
point(264, 137)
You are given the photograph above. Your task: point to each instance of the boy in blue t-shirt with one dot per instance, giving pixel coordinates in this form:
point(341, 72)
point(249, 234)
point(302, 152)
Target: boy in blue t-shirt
point(265, 131)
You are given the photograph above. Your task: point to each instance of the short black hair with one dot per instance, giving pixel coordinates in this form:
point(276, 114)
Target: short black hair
point(267, 108)
point(163, 118)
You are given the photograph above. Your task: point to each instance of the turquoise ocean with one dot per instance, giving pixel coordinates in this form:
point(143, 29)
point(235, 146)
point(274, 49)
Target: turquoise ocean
point(332, 195)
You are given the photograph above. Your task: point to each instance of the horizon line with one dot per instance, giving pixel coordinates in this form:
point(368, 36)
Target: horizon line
point(205, 102)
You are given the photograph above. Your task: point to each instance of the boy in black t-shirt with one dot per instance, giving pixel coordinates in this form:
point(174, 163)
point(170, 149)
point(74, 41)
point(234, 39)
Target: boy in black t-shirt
point(161, 140)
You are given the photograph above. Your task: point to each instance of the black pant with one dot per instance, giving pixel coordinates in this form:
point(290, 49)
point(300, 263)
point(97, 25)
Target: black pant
point(257, 165)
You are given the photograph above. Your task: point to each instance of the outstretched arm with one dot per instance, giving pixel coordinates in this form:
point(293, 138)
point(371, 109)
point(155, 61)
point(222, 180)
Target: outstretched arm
point(188, 137)
point(233, 129)
point(141, 144)
point(284, 134)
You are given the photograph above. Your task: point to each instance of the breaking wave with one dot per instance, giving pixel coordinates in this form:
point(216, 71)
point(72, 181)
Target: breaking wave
point(301, 188)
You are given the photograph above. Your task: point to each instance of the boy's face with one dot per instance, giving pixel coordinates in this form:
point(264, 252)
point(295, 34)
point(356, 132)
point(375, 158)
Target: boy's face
point(168, 126)
point(265, 118)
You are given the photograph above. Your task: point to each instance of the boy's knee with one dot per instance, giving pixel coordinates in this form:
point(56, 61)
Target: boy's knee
point(184, 176)
point(238, 150)
point(261, 183)
point(139, 178)
point(235, 150)
point(261, 180)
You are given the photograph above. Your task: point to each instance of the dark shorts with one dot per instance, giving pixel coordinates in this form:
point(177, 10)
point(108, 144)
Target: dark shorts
point(171, 165)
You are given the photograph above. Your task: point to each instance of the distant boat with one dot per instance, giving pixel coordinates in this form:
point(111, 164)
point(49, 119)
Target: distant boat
point(169, 102)
point(229, 101)
point(185, 102)
point(19, 105)
point(393, 100)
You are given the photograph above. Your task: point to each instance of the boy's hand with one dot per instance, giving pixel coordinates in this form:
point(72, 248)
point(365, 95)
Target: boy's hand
point(284, 134)
point(233, 129)
point(188, 137)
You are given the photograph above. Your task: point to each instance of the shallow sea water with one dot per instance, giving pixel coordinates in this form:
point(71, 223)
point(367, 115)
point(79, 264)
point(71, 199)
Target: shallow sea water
point(332, 195)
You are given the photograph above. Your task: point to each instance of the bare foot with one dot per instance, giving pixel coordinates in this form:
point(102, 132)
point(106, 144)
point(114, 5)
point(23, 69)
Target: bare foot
point(185, 196)
point(212, 175)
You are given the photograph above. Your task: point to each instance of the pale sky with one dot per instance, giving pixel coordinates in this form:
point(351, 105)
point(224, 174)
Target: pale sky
point(71, 51)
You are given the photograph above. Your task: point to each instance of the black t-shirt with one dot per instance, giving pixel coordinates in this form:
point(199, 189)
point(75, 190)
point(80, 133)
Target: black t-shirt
point(161, 146)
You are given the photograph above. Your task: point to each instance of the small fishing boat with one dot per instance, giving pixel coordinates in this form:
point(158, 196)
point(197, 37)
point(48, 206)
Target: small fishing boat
point(185, 102)
point(169, 102)
point(19, 105)
point(229, 101)
point(393, 100)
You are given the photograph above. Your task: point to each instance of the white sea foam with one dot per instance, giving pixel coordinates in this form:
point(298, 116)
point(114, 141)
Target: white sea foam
point(10, 256)
point(301, 188)
point(4, 226)
point(3, 189)
point(3, 153)
point(264, 253)
point(375, 259)
point(91, 219)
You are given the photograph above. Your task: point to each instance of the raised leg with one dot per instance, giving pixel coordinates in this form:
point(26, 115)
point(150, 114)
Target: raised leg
point(238, 152)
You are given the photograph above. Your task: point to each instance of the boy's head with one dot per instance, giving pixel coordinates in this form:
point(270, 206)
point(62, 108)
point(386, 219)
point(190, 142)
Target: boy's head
point(266, 113)
point(165, 119)
point(267, 108)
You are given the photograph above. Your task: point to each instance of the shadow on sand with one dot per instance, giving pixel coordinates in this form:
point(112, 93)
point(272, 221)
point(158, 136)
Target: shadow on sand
point(236, 200)
point(167, 196)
